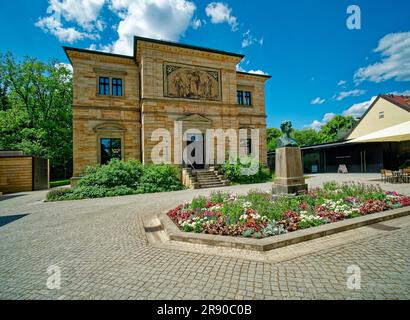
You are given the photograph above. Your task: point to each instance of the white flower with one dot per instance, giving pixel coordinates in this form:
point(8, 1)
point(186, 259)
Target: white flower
point(247, 205)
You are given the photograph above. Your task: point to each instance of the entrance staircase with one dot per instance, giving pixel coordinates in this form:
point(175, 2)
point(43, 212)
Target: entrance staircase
point(208, 178)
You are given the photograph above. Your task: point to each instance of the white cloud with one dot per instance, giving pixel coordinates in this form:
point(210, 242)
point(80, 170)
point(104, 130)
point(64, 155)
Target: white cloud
point(257, 72)
point(197, 23)
point(83, 13)
point(341, 83)
point(249, 39)
point(394, 49)
point(67, 66)
point(317, 124)
point(358, 109)
point(241, 69)
point(328, 116)
point(345, 94)
point(220, 13)
point(401, 93)
point(53, 26)
point(92, 46)
point(158, 19)
point(317, 100)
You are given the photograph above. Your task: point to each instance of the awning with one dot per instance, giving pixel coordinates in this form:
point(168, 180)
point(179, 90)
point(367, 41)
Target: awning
point(396, 133)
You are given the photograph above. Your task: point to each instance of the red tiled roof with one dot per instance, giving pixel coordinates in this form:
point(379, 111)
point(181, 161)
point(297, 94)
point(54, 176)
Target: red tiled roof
point(402, 101)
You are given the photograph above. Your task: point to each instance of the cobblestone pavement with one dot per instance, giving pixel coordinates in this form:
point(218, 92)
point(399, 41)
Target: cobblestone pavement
point(103, 253)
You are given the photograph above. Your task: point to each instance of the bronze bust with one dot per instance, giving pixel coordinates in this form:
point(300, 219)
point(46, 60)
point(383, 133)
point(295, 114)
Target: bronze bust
point(285, 140)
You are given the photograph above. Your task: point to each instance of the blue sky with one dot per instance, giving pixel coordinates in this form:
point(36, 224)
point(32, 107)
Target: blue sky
point(319, 67)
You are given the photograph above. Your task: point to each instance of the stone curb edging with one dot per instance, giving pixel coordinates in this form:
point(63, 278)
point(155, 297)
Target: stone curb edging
point(274, 242)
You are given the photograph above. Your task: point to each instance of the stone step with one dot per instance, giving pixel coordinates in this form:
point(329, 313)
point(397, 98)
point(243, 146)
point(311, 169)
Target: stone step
point(205, 186)
point(219, 183)
point(205, 173)
point(207, 179)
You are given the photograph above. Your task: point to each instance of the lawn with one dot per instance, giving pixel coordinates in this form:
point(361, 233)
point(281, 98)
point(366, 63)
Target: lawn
point(263, 214)
point(59, 183)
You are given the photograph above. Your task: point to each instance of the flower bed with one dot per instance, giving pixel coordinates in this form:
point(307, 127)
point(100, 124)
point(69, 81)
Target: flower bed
point(260, 214)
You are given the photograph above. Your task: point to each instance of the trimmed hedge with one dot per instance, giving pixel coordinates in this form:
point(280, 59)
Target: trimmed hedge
point(119, 178)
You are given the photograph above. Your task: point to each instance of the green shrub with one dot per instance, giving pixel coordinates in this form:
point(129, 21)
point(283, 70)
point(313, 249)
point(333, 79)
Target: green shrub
point(233, 173)
point(160, 178)
point(59, 194)
point(115, 173)
point(59, 183)
point(119, 178)
point(83, 192)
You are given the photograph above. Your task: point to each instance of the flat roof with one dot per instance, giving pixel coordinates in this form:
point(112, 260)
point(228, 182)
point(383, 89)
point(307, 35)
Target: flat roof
point(182, 45)
point(95, 52)
point(255, 74)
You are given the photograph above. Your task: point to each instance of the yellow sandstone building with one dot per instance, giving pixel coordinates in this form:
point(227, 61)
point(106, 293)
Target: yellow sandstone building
point(119, 101)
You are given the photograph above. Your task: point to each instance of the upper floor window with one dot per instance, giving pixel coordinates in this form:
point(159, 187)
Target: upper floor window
point(244, 98)
point(248, 98)
point(381, 115)
point(104, 86)
point(240, 97)
point(116, 87)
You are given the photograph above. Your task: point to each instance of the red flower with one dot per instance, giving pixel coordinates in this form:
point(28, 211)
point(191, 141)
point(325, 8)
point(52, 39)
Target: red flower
point(209, 204)
point(373, 206)
point(404, 201)
point(291, 215)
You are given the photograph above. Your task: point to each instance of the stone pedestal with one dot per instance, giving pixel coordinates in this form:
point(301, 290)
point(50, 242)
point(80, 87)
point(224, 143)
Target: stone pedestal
point(288, 170)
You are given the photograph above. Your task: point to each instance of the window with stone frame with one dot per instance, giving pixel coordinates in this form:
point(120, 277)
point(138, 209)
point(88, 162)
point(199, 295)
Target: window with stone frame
point(248, 98)
point(239, 94)
point(116, 85)
point(245, 146)
point(244, 97)
point(110, 149)
point(104, 86)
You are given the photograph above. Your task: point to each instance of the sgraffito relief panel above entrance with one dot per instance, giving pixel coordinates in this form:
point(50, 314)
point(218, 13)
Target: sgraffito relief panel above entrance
point(189, 82)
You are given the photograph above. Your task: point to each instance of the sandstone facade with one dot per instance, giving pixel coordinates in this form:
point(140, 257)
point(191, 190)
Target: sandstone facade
point(162, 82)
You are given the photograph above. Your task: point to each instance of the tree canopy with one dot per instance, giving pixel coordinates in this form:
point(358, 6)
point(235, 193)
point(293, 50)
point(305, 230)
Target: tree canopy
point(35, 110)
point(334, 130)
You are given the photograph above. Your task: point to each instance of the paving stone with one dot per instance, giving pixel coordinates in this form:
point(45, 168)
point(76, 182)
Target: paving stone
point(103, 253)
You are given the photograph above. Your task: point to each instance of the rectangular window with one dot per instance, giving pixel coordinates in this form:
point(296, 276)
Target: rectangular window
point(116, 87)
point(381, 115)
point(240, 97)
point(246, 146)
point(104, 86)
point(248, 100)
point(110, 149)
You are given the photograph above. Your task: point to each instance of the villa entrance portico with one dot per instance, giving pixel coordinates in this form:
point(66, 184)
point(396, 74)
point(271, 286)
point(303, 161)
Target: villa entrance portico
point(194, 128)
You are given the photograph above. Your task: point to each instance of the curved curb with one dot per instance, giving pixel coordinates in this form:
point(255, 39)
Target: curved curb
point(274, 242)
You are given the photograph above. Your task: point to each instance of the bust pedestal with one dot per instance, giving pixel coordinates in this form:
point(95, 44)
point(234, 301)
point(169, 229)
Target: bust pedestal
point(288, 171)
